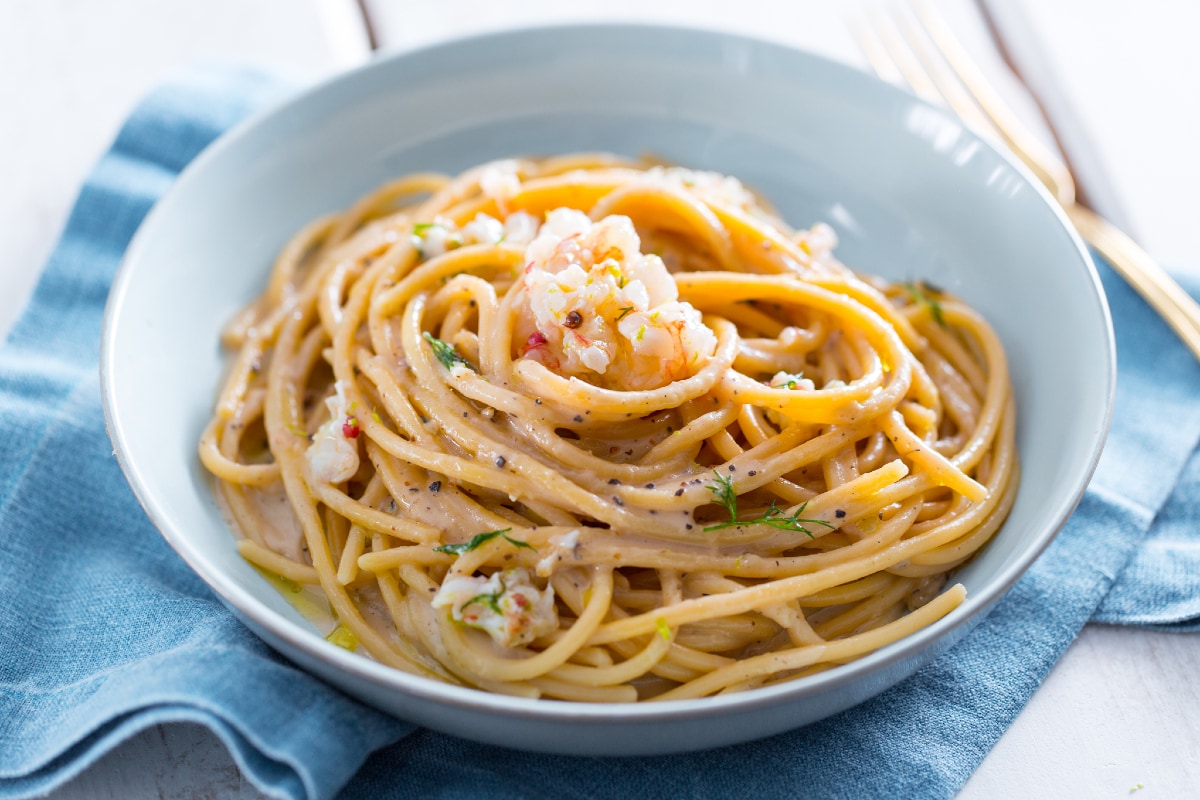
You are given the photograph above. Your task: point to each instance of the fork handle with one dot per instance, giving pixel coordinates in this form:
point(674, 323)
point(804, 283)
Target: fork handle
point(1142, 273)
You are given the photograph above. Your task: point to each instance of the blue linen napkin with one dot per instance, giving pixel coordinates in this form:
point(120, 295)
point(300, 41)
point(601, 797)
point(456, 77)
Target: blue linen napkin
point(104, 631)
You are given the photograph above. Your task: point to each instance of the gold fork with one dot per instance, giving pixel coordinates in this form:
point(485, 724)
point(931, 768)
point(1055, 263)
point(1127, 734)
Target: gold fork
point(922, 51)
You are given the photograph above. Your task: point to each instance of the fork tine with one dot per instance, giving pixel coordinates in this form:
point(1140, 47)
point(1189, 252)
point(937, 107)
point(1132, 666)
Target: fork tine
point(952, 77)
point(1044, 163)
point(876, 54)
point(940, 74)
point(891, 60)
point(923, 53)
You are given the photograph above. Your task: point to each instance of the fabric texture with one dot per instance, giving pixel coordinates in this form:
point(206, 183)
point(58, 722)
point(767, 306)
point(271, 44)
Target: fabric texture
point(104, 631)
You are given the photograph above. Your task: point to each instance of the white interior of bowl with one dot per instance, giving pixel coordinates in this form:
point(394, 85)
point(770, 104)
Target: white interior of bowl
point(911, 193)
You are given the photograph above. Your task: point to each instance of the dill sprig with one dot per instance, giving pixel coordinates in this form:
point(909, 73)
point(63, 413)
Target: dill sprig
point(446, 353)
point(774, 516)
point(722, 489)
point(922, 294)
point(478, 540)
point(492, 601)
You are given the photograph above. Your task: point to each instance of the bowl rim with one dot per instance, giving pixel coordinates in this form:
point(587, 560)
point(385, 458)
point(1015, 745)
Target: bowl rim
point(245, 605)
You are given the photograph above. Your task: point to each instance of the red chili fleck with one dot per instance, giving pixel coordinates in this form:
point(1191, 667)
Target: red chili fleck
point(350, 428)
point(536, 339)
point(520, 599)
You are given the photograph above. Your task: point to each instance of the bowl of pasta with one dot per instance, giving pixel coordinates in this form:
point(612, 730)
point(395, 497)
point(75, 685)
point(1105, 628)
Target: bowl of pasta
point(608, 405)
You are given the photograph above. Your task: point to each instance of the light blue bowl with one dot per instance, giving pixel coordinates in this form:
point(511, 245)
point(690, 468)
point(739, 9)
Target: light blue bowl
point(911, 193)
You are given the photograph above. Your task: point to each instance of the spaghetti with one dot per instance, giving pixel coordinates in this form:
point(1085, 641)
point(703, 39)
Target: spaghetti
point(596, 430)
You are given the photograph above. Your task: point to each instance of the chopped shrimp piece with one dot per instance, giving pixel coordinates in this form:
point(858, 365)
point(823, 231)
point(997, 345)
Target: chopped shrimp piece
point(435, 238)
point(791, 380)
point(333, 454)
point(506, 606)
point(818, 241)
point(500, 182)
point(596, 307)
point(484, 229)
point(519, 228)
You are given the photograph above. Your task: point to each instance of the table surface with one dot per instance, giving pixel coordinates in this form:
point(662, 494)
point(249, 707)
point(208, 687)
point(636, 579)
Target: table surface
point(1118, 714)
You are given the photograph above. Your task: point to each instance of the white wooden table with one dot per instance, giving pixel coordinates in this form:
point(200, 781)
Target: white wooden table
point(1119, 715)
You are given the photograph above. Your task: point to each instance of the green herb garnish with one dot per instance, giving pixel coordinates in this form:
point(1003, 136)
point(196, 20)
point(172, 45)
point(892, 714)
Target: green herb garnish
point(664, 630)
point(419, 228)
point(722, 489)
point(492, 601)
point(775, 517)
point(921, 294)
point(480, 539)
point(624, 311)
point(446, 353)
